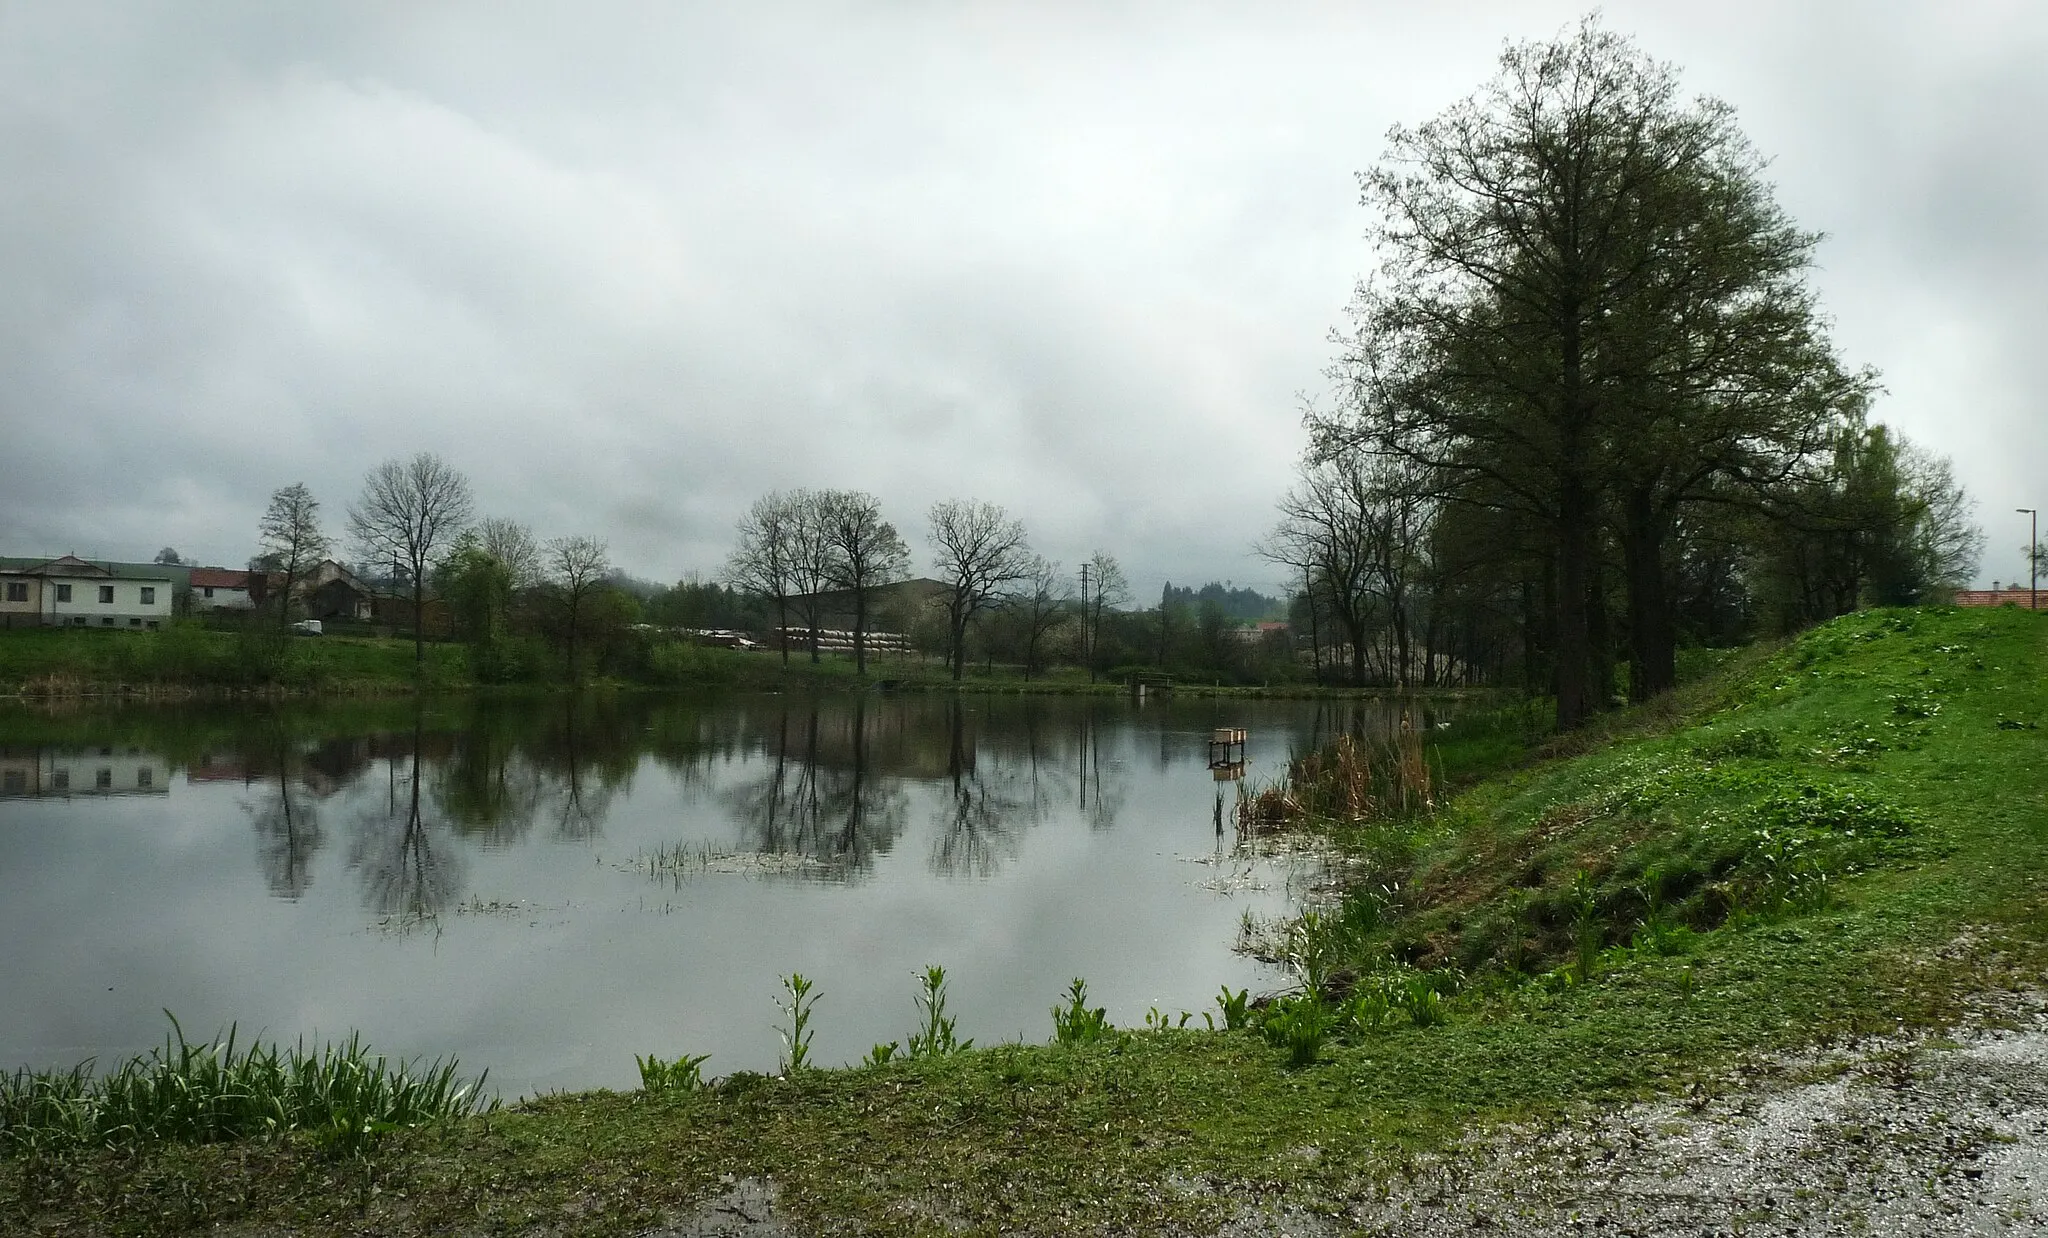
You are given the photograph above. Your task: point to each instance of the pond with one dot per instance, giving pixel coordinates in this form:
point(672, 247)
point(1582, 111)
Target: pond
point(547, 887)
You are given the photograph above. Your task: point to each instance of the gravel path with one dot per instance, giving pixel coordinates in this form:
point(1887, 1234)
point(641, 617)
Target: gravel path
point(1906, 1137)
point(1898, 1137)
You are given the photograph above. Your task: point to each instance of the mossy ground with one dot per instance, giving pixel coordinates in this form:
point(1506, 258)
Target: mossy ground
point(1917, 881)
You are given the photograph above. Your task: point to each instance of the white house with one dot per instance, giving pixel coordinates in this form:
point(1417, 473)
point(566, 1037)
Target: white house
point(219, 588)
point(70, 592)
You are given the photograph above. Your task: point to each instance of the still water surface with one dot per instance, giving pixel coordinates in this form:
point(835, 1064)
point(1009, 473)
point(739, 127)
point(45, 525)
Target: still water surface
point(546, 888)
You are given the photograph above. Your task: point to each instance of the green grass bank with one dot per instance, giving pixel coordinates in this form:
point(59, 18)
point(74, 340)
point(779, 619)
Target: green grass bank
point(1823, 841)
point(193, 660)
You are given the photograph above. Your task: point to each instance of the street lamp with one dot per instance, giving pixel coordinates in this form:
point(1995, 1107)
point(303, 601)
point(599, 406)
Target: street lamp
point(2033, 558)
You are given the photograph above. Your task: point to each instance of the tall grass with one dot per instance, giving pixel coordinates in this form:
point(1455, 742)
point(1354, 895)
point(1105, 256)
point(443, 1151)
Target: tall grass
point(1353, 779)
point(215, 1091)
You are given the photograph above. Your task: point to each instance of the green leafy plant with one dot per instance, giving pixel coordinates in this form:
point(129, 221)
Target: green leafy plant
point(1299, 1024)
point(797, 1009)
point(1236, 1008)
point(1075, 1023)
point(936, 1038)
point(881, 1055)
point(684, 1074)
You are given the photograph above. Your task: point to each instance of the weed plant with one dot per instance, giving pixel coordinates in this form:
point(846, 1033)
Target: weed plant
point(1075, 1023)
point(935, 1038)
point(797, 1005)
point(684, 1074)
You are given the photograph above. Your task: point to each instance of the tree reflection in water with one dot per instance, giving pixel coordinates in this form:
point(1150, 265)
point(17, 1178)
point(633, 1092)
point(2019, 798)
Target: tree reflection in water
point(287, 822)
point(410, 869)
point(822, 796)
point(987, 806)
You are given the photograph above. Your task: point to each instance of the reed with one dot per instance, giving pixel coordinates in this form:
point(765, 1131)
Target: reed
point(1353, 779)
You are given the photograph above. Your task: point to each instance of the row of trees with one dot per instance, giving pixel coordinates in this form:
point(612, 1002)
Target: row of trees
point(1589, 390)
point(498, 582)
point(793, 548)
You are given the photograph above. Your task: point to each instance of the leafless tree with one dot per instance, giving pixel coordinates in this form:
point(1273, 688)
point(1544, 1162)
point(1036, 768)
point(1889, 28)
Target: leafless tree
point(410, 509)
point(513, 545)
point(1327, 531)
point(1108, 589)
point(763, 560)
point(291, 538)
point(811, 559)
point(1040, 606)
point(579, 566)
point(865, 554)
point(979, 551)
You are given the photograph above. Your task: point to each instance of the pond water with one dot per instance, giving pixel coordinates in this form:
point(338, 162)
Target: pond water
point(548, 887)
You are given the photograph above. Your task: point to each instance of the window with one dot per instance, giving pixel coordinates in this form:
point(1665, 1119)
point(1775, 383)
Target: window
point(78, 621)
point(17, 591)
point(133, 622)
point(106, 595)
point(63, 593)
point(14, 780)
point(209, 590)
point(103, 779)
point(149, 595)
point(145, 777)
point(107, 621)
point(151, 625)
point(60, 780)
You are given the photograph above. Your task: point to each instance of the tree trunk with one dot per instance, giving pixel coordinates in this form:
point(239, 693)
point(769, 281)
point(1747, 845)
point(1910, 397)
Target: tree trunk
point(419, 636)
point(1653, 635)
point(860, 632)
point(1572, 649)
point(575, 604)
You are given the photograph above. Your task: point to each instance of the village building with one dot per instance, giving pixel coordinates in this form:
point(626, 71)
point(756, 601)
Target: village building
point(75, 593)
point(220, 588)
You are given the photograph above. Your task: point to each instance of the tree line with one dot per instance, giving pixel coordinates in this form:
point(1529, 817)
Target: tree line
point(506, 593)
point(1587, 408)
point(794, 548)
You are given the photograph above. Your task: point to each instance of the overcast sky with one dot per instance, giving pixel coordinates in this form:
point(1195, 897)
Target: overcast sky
point(630, 265)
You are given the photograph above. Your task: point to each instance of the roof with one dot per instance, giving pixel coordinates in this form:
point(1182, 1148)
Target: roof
point(72, 565)
point(220, 578)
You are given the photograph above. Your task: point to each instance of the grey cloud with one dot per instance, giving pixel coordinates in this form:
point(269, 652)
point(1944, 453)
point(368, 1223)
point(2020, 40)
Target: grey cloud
point(630, 266)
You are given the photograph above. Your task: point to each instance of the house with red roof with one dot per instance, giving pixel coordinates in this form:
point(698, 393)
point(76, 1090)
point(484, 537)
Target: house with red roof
point(221, 588)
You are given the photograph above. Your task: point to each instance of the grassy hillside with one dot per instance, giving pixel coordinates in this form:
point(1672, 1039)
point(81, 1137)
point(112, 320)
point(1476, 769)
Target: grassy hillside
point(1822, 842)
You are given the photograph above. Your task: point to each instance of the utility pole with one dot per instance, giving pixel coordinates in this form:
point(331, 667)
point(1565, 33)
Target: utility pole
point(1085, 659)
point(2033, 557)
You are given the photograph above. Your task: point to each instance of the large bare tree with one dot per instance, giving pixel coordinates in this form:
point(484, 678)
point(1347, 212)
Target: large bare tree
point(865, 554)
point(291, 538)
point(579, 565)
point(978, 551)
point(1107, 590)
point(811, 558)
point(763, 560)
point(409, 510)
